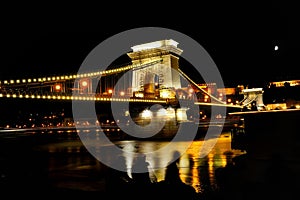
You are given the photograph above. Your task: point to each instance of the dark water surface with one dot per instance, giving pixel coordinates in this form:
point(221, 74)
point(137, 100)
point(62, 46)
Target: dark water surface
point(58, 160)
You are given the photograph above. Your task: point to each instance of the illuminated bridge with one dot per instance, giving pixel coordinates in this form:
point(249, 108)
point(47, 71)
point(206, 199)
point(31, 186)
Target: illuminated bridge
point(154, 77)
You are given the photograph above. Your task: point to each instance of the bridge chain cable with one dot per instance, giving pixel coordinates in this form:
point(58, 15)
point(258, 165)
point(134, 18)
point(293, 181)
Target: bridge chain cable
point(198, 87)
point(51, 79)
point(17, 88)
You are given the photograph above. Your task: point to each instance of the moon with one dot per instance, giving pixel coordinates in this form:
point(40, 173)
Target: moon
point(276, 48)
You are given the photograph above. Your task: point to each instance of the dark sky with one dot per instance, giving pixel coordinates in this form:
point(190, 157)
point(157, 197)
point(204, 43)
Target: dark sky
point(240, 38)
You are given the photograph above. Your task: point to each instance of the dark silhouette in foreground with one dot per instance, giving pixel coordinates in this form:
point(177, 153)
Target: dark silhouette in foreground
point(141, 185)
point(172, 186)
point(140, 172)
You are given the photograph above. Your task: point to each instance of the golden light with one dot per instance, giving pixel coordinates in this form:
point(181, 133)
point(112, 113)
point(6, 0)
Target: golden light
point(84, 83)
point(164, 94)
point(57, 87)
point(146, 114)
point(110, 91)
point(122, 93)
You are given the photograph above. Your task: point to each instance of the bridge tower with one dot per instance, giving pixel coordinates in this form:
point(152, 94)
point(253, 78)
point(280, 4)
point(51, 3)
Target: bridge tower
point(253, 98)
point(151, 79)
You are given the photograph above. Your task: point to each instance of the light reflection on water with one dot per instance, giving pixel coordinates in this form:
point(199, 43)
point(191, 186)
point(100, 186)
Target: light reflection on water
point(194, 170)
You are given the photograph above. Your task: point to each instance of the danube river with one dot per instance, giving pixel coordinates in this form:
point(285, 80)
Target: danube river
point(58, 159)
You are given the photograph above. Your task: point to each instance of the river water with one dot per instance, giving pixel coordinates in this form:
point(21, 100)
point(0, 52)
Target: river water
point(62, 161)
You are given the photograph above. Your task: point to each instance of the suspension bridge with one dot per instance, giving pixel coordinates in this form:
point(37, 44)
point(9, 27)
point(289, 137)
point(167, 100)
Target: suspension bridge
point(153, 76)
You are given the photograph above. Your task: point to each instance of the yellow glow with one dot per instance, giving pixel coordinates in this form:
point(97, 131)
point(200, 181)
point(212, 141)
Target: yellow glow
point(1, 95)
point(146, 114)
point(110, 91)
point(14, 95)
point(21, 96)
point(39, 79)
point(48, 79)
point(57, 87)
point(32, 96)
point(26, 96)
point(24, 81)
point(17, 81)
point(12, 81)
point(34, 80)
point(164, 94)
point(8, 95)
point(84, 83)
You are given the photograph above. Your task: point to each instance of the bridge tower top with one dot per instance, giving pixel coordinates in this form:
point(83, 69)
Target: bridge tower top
point(168, 45)
point(164, 74)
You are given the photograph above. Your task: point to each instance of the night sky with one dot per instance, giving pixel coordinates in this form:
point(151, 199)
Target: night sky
point(239, 38)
